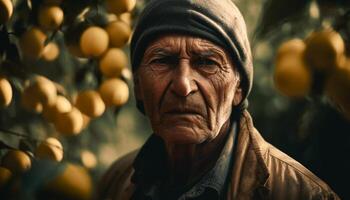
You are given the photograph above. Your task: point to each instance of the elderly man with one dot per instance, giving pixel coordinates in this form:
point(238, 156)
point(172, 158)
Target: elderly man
point(193, 71)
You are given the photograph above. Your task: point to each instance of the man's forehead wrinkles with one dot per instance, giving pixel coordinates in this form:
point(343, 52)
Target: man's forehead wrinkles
point(187, 45)
point(160, 48)
point(206, 48)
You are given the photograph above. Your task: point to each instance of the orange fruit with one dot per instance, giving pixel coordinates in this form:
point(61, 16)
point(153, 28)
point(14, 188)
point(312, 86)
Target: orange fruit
point(88, 159)
point(291, 47)
point(44, 90)
point(69, 123)
point(337, 89)
point(72, 38)
point(62, 105)
point(120, 6)
point(126, 18)
point(324, 50)
point(32, 43)
point(292, 77)
point(74, 183)
point(50, 17)
point(51, 149)
point(5, 92)
point(86, 120)
point(16, 161)
point(113, 62)
point(6, 10)
point(114, 92)
point(94, 41)
point(30, 102)
point(118, 32)
point(51, 52)
point(90, 103)
point(5, 176)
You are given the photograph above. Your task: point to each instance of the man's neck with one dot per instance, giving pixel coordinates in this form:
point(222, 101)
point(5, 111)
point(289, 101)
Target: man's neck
point(187, 163)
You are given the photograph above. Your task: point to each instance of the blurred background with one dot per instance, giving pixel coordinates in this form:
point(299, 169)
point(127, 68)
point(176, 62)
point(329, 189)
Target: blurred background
point(66, 93)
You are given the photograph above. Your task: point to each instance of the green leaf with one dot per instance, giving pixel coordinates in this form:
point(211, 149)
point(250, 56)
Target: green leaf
point(276, 12)
point(343, 3)
point(3, 145)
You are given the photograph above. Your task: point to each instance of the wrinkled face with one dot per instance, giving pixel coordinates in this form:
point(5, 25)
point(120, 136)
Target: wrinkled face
point(188, 86)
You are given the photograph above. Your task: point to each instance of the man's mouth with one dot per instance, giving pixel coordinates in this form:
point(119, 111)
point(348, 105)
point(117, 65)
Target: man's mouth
point(178, 111)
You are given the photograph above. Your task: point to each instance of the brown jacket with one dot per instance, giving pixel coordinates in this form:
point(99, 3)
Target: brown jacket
point(260, 171)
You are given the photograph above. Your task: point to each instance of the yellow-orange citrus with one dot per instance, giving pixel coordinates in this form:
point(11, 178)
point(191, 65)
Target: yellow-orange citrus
point(113, 62)
point(69, 123)
point(292, 77)
point(90, 103)
point(30, 102)
point(120, 6)
point(62, 105)
point(5, 176)
point(50, 149)
point(6, 10)
point(118, 32)
point(114, 92)
point(5, 92)
point(324, 50)
point(337, 88)
point(88, 159)
point(94, 41)
point(126, 17)
point(74, 183)
point(293, 47)
point(72, 38)
point(51, 52)
point(44, 90)
point(86, 121)
point(16, 161)
point(32, 43)
point(50, 17)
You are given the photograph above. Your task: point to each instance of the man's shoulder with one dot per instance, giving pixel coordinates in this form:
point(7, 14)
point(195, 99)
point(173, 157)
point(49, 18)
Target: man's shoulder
point(117, 176)
point(288, 176)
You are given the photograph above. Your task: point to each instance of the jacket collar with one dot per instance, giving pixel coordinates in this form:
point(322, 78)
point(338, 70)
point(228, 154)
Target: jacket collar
point(250, 173)
point(149, 166)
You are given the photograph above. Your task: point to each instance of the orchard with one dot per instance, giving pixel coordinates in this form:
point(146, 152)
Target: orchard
point(67, 108)
point(64, 71)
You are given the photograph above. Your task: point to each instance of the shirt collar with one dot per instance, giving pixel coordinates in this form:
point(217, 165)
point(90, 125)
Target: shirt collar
point(149, 169)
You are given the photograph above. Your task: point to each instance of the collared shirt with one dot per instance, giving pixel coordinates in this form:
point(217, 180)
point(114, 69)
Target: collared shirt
point(150, 167)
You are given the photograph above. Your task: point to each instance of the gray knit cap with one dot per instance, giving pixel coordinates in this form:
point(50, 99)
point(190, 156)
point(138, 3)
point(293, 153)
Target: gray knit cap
point(218, 21)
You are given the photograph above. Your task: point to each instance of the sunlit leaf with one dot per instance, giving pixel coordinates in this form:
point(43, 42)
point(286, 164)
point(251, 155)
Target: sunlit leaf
point(276, 12)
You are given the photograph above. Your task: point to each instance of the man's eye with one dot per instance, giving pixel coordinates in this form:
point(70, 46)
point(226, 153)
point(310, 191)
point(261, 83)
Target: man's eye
point(163, 63)
point(167, 60)
point(159, 61)
point(207, 65)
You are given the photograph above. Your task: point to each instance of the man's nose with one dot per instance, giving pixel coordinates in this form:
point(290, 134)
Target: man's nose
point(183, 83)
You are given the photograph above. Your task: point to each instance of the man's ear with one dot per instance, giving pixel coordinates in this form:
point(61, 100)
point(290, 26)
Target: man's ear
point(237, 99)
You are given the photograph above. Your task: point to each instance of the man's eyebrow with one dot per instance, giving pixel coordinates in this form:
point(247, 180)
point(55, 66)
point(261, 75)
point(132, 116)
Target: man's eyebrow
point(161, 51)
point(158, 50)
point(209, 52)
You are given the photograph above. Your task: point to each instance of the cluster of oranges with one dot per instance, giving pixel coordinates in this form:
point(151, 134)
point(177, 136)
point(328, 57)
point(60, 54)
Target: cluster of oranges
point(319, 61)
point(16, 162)
point(73, 182)
point(84, 40)
point(6, 11)
point(69, 114)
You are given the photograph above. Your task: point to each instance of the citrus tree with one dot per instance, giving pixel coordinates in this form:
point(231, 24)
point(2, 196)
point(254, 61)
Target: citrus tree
point(302, 79)
point(64, 77)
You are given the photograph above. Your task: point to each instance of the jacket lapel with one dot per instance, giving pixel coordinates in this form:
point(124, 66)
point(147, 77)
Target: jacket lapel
point(249, 173)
